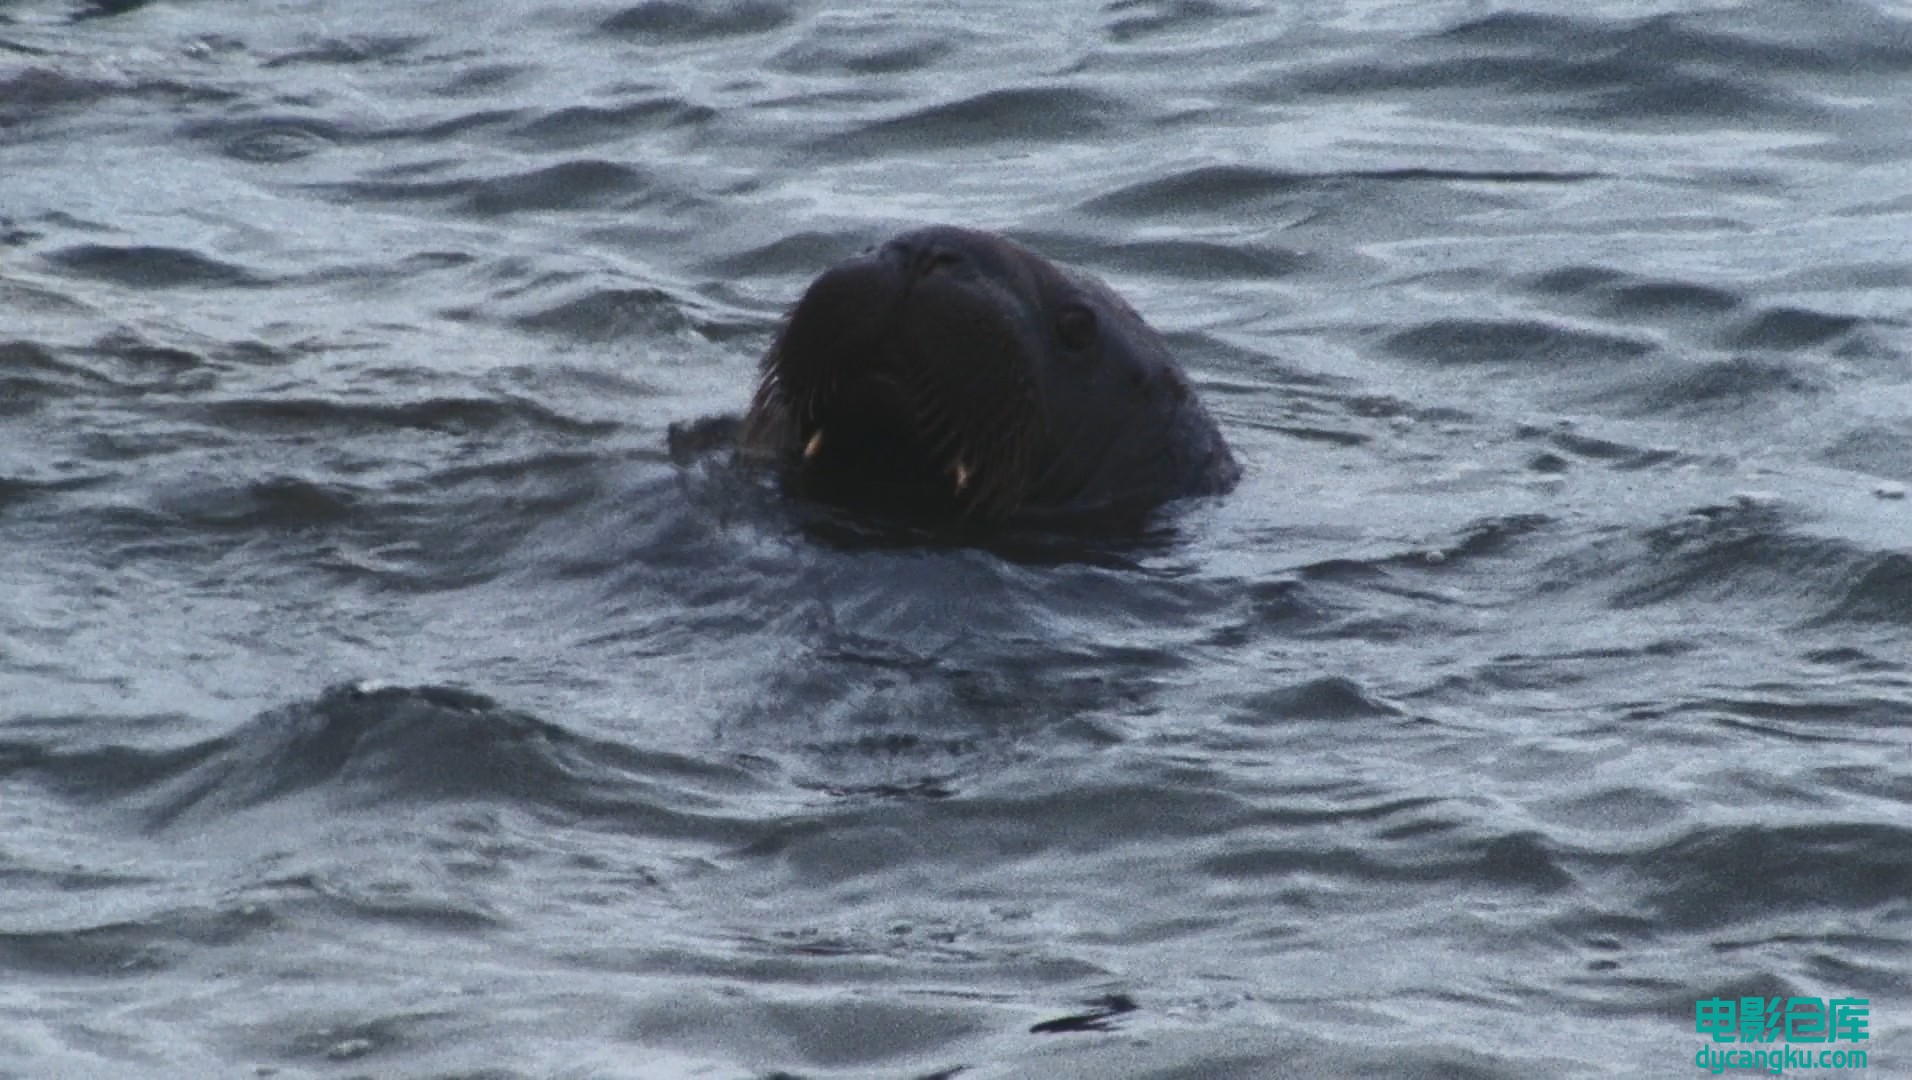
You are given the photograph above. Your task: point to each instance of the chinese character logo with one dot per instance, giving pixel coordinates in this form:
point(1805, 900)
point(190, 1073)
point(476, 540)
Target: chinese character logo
point(1797, 1020)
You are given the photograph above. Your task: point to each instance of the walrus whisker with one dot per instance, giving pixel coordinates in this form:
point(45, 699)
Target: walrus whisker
point(940, 430)
point(941, 437)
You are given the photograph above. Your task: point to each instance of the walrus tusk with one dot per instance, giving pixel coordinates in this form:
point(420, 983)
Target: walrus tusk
point(815, 444)
point(962, 475)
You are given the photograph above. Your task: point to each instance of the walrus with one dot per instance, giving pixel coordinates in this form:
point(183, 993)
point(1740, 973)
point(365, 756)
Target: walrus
point(954, 375)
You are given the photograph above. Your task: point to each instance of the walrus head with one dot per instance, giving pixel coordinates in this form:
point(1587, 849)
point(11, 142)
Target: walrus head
point(955, 374)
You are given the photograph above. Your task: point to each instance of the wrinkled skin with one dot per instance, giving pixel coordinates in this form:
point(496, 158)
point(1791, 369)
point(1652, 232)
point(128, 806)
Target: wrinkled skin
point(952, 374)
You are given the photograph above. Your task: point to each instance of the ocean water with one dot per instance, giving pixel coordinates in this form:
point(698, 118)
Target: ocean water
point(381, 696)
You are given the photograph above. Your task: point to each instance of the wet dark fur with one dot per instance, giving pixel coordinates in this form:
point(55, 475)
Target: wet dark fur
point(953, 374)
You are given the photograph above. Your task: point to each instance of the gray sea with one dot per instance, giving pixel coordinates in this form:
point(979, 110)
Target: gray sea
point(381, 696)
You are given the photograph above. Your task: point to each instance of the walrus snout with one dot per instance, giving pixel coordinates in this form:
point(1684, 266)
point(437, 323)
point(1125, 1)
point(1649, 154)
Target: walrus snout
point(900, 371)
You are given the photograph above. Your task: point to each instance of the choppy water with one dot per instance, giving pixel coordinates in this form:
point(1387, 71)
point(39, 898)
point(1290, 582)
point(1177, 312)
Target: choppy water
point(379, 697)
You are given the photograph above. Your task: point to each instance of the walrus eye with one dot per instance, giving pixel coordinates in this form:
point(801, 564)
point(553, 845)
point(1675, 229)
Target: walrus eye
point(1076, 327)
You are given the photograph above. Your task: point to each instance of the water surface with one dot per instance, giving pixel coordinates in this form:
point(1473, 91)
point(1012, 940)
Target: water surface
point(379, 696)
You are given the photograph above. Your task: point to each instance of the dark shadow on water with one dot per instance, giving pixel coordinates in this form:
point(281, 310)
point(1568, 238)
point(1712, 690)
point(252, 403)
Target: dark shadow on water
point(1099, 1017)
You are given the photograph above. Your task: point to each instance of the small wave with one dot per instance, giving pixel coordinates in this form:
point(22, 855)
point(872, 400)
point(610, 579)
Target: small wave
point(32, 374)
point(570, 185)
point(1621, 295)
point(353, 50)
point(1412, 839)
point(1474, 341)
point(447, 414)
point(793, 254)
point(359, 748)
point(128, 947)
point(1716, 386)
point(574, 126)
point(1655, 70)
point(612, 314)
point(1834, 37)
point(140, 364)
point(1241, 190)
point(1326, 698)
point(844, 43)
point(1670, 300)
point(36, 92)
point(1791, 329)
point(1492, 537)
point(1637, 95)
point(106, 9)
point(1619, 455)
point(19, 490)
point(1728, 552)
point(1752, 554)
point(1030, 114)
point(1204, 189)
point(282, 502)
point(565, 186)
point(1483, 539)
point(1202, 260)
point(674, 21)
point(1134, 20)
point(1880, 592)
point(28, 91)
point(1825, 867)
point(1882, 450)
point(271, 140)
point(150, 267)
point(894, 837)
